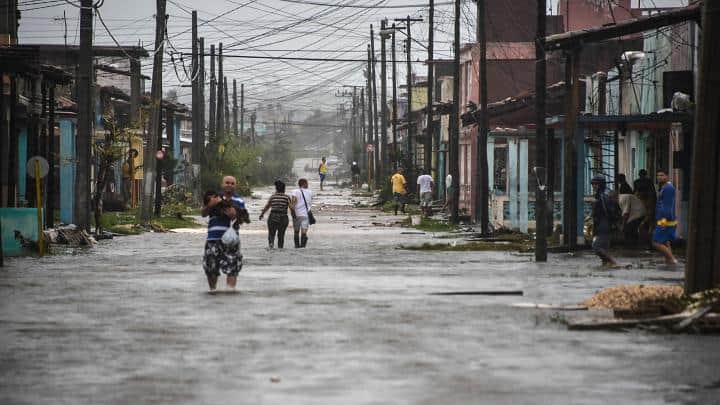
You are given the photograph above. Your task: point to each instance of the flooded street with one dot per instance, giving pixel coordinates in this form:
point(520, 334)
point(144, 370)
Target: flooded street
point(349, 320)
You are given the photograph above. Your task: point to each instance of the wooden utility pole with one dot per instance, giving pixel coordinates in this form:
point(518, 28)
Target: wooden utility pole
point(235, 109)
point(242, 110)
point(203, 127)
point(570, 207)
point(702, 271)
point(354, 125)
point(253, 117)
point(376, 136)
point(363, 133)
point(150, 169)
point(429, 125)
point(482, 200)
point(213, 85)
point(394, 102)
point(541, 138)
point(370, 132)
point(85, 118)
point(385, 162)
point(196, 106)
point(455, 121)
point(220, 118)
point(226, 104)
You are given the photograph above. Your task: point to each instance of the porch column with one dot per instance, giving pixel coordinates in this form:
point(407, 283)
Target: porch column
point(67, 169)
point(512, 171)
point(523, 185)
point(22, 149)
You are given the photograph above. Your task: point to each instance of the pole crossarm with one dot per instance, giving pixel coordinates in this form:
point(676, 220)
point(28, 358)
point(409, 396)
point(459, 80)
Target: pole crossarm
point(572, 39)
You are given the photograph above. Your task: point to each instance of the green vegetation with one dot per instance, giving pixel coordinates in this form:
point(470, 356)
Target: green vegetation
point(270, 159)
point(125, 223)
point(433, 225)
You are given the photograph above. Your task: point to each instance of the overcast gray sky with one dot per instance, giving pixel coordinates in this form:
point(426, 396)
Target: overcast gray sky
point(257, 27)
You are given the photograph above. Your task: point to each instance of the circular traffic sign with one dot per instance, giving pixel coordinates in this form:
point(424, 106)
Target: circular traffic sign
point(370, 148)
point(44, 167)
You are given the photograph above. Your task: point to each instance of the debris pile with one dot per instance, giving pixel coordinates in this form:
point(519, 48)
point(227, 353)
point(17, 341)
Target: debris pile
point(69, 235)
point(639, 300)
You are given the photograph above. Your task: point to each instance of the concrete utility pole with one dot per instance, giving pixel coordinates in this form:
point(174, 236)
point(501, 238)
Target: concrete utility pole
point(409, 80)
point(212, 107)
point(702, 271)
point(454, 121)
point(220, 119)
point(394, 102)
point(429, 125)
point(541, 143)
point(85, 118)
point(483, 191)
point(385, 164)
point(155, 132)
point(376, 137)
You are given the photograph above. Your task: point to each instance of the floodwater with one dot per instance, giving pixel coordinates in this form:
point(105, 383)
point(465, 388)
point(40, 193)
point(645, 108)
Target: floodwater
point(349, 320)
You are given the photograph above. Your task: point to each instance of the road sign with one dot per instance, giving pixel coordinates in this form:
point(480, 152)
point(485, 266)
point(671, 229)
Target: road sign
point(369, 148)
point(44, 167)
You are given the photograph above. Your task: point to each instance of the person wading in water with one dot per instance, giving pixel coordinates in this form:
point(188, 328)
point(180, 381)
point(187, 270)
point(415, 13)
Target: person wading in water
point(278, 204)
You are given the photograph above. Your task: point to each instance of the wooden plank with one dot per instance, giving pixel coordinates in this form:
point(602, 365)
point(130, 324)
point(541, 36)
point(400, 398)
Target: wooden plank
point(498, 292)
point(692, 318)
point(572, 39)
point(558, 307)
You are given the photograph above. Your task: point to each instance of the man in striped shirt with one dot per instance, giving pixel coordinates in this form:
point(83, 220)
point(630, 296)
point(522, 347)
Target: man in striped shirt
point(219, 257)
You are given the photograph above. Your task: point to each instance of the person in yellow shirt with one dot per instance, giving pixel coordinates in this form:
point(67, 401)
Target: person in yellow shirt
point(322, 171)
point(399, 185)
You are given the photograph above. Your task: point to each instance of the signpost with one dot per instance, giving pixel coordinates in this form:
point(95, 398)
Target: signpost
point(37, 168)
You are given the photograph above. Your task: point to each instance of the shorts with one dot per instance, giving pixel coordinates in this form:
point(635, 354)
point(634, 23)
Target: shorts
point(426, 199)
point(399, 198)
point(221, 258)
point(664, 234)
point(601, 243)
point(322, 177)
point(301, 223)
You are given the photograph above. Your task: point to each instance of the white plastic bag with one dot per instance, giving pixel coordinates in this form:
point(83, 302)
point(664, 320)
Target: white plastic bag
point(230, 237)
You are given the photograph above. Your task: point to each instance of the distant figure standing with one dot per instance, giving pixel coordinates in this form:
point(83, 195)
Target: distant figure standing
point(322, 171)
point(602, 216)
point(355, 170)
point(278, 204)
point(633, 213)
point(645, 191)
point(302, 203)
point(425, 188)
point(666, 223)
point(399, 189)
point(449, 193)
point(622, 185)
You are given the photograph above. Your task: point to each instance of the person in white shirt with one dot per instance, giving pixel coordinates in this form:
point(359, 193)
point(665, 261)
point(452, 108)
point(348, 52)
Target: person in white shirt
point(633, 213)
point(302, 203)
point(425, 189)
